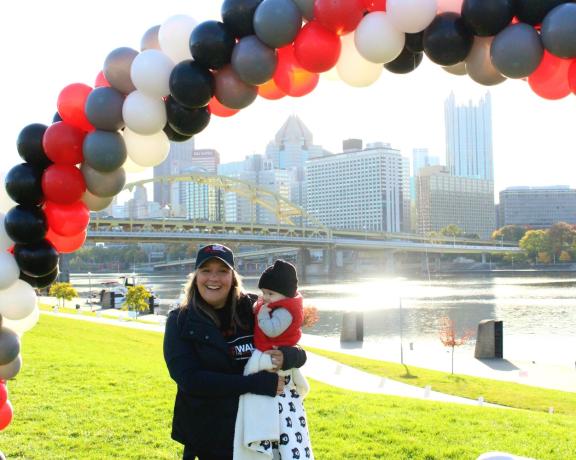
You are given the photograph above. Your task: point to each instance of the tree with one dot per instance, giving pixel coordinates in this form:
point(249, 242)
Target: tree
point(449, 336)
point(62, 291)
point(533, 243)
point(136, 298)
point(451, 230)
point(509, 233)
point(310, 316)
point(561, 237)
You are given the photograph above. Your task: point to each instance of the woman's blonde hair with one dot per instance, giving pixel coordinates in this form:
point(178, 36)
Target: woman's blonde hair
point(193, 299)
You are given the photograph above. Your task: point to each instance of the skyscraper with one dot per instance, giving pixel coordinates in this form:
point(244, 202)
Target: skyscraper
point(469, 138)
point(179, 159)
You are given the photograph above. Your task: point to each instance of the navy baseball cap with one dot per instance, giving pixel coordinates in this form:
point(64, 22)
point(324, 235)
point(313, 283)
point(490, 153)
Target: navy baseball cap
point(215, 251)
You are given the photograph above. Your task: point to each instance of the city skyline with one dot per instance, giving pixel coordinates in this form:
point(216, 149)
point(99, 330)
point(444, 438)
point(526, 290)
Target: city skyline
point(532, 141)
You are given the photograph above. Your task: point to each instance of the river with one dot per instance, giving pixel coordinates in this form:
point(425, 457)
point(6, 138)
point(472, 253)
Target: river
point(538, 310)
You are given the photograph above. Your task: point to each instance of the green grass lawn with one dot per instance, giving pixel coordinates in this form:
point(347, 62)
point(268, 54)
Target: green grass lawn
point(90, 391)
point(504, 393)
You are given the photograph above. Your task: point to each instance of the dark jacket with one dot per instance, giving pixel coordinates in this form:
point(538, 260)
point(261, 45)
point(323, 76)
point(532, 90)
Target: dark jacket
point(209, 380)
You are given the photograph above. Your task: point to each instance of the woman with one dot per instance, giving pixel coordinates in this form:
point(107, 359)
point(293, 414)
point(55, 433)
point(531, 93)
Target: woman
point(206, 345)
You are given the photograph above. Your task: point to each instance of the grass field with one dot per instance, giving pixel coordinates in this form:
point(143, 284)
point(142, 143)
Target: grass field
point(89, 391)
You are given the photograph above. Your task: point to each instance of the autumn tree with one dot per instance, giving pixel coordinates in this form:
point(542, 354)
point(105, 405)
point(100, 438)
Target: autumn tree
point(509, 233)
point(451, 230)
point(561, 237)
point(137, 299)
point(449, 336)
point(533, 243)
point(62, 291)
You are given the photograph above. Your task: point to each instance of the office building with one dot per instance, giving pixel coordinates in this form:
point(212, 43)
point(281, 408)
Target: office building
point(179, 159)
point(537, 207)
point(443, 199)
point(366, 190)
point(469, 138)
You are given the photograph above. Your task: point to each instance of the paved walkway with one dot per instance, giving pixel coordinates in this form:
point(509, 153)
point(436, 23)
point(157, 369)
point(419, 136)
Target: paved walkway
point(339, 375)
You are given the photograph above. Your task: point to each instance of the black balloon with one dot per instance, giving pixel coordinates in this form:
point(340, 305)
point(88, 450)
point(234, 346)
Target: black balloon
point(174, 136)
point(211, 44)
point(447, 40)
point(29, 145)
point(406, 62)
point(238, 16)
point(37, 259)
point(533, 11)
point(25, 224)
point(184, 121)
point(487, 17)
point(415, 42)
point(24, 184)
point(191, 84)
point(56, 118)
point(40, 281)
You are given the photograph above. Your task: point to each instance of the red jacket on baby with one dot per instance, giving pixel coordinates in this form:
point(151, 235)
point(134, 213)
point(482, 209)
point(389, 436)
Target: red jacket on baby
point(290, 336)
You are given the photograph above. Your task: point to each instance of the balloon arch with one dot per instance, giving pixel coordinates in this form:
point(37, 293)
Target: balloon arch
point(186, 72)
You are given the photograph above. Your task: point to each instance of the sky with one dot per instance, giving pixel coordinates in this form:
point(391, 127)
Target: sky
point(48, 45)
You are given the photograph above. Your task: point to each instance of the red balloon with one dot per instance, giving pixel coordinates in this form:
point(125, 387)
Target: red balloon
point(63, 184)
point(270, 91)
point(290, 77)
point(340, 16)
point(3, 394)
point(219, 109)
point(67, 219)
point(375, 5)
point(62, 143)
point(101, 80)
point(572, 76)
point(6, 414)
point(66, 244)
point(71, 102)
point(316, 48)
point(550, 79)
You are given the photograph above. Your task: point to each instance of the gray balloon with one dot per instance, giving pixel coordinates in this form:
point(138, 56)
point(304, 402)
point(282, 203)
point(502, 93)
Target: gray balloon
point(96, 203)
point(149, 40)
point(104, 151)
point(516, 51)
point(117, 69)
point(9, 346)
point(277, 22)
point(104, 108)
point(10, 370)
point(306, 8)
point(231, 91)
point(253, 61)
point(101, 184)
point(559, 31)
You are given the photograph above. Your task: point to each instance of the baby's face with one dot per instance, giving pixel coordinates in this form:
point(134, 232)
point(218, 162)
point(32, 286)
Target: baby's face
point(271, 296)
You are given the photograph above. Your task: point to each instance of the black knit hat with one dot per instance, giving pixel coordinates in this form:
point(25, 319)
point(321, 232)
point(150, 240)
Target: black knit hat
point(281, 277)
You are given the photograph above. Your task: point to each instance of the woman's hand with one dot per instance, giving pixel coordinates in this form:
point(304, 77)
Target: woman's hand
point(277, 358)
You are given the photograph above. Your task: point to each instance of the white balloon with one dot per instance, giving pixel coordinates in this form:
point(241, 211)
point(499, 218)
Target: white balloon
point(9, 271)
point(450, 6)
point(18, 301)
point(6, 203)
point(5, 241)
point(352, 68)
point(144, 114)
point(23, 325)
point(131, 167)
point(377, 40)
point(411, 16)
point(174, 37)
point(456, 69)
point(147, 150)
point(150, 73)
point(330, 75)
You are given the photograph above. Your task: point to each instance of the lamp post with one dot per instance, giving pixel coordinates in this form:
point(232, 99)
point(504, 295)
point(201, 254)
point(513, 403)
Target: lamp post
point(401, 332)
point(90, 289)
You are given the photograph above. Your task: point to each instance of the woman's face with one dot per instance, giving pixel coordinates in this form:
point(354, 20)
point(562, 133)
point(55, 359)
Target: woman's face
point(214, 281)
